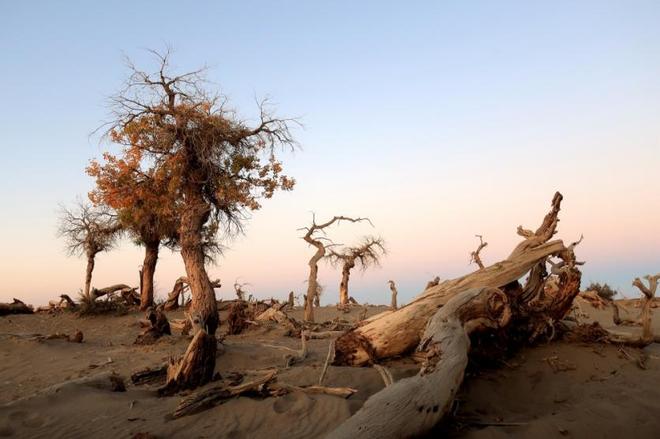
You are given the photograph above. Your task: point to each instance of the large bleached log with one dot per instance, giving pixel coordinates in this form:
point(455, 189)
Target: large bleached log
point(412, 406)
point(398, 332)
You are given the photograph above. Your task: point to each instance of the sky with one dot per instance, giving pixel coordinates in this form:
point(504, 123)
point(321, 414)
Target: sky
point(438, 120)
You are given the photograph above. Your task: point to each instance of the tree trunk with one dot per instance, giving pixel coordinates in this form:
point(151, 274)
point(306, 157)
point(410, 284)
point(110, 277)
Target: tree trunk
point(412, 406)
point(393, 303)
point(395, 333)
point(312, 283)
point(197, 365)
point(147, 278)
point(343, 286)
point(88, 275)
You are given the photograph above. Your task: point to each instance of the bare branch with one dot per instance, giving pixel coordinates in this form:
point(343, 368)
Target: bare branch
point(474, 256)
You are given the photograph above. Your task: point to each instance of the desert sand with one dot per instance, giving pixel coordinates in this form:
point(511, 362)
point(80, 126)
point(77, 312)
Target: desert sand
point(53, 388)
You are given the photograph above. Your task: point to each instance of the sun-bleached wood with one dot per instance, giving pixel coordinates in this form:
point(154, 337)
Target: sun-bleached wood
point(412, 406)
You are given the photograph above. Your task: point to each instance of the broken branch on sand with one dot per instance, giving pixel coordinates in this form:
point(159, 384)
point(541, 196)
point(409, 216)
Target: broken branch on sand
point(208, 398)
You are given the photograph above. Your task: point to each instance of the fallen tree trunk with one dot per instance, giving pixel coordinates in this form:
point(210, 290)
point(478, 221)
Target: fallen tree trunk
point(395, 333)
point(16, 307)
point(129, 294)
point(412, 406)
point(208, 398)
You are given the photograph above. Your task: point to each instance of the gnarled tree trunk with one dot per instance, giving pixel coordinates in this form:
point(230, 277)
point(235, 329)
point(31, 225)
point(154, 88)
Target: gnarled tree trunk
point(345, 277)
point(88, 274)
point(312, 282)
point(197, 365)
point(147, 277)
point(395, 292)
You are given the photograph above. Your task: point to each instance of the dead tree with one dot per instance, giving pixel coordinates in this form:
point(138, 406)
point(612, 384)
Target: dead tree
point(393, 304)
point(540, 301)
point(88, 230)
point(241, 294)
point(290, 302)
point(364, 255)
point(645, 315)
point(320, 243)
point(474, 256)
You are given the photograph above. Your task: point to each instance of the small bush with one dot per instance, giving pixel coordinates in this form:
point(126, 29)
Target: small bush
point(101, 307)
point(604, 291)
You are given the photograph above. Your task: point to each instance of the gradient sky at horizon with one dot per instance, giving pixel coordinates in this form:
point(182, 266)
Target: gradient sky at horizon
point(438, 120)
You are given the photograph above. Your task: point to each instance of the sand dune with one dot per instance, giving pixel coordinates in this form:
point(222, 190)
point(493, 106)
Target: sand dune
point(600, 390)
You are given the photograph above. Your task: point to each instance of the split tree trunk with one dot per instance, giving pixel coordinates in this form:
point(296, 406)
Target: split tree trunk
point(412, 406)
point(395, 333)
point(147, 277)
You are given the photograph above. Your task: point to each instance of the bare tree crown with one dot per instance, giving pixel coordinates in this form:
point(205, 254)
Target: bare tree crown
point(366, 254)
point(87, 229)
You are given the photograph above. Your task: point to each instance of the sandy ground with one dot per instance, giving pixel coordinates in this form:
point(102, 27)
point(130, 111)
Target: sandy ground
point(603, 393)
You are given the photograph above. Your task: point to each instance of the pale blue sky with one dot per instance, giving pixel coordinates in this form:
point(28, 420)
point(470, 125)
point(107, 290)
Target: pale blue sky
point(437, 119)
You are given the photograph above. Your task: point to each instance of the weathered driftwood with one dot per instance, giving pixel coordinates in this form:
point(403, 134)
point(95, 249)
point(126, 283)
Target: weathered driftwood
point(279, 389)
point(542, 300)
point(208, 398)
point(412, 406)
point(16, 307)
